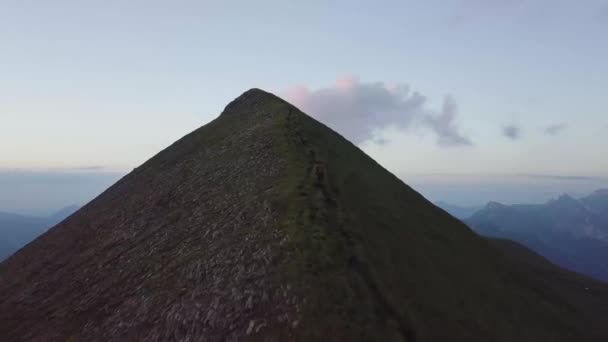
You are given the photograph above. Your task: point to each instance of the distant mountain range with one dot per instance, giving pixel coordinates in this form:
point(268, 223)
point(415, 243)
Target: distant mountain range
point(570, 232)
point(18, 230)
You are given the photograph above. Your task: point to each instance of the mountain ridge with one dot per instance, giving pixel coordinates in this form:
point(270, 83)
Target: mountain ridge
point(571, 232)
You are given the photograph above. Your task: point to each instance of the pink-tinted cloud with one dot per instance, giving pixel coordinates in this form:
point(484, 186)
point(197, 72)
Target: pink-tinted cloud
point(357, 109)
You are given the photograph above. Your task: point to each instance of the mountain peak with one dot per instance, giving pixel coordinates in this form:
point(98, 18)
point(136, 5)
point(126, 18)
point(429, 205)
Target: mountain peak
point(598, 202)
point(250, 101)
point(267, 225)
point(494, 205)
point(565, 199)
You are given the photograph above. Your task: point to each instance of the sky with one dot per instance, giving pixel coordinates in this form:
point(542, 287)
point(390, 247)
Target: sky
point(466, 100)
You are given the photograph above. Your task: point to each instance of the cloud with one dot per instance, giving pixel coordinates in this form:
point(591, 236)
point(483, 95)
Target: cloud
point(445, 126)
point(562, 177)
point(555, 128)
point(512, 132)
point(89, 168)
point(358, 110)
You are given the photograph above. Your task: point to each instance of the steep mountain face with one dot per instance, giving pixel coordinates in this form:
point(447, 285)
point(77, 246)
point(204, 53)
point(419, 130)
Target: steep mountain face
point(267, 225)
point(572, 233)
point(17, 230)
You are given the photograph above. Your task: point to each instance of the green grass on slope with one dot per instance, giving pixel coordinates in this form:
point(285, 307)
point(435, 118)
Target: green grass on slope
point(382, 263)
point(588, 295)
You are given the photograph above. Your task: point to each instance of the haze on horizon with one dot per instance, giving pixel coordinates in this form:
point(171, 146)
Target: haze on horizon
point(466, 100)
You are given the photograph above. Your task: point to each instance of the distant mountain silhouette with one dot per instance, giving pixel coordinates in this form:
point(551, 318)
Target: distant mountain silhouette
point(17, 230)
point(458, 211)
point(266, 225)
point(63, 213)
point(572, 233)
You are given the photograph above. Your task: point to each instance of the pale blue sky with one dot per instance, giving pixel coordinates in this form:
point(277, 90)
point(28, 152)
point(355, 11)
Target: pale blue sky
point(107, 84)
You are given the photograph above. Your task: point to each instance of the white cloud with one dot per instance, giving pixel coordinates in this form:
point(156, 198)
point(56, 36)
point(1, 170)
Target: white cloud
point(357, 110)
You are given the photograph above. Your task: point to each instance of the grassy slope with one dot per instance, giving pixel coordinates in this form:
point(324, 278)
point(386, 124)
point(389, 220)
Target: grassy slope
point(586, 294)
point(382, 262)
